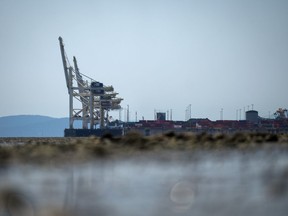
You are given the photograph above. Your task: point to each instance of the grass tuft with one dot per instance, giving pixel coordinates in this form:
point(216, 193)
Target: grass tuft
point(66, 150)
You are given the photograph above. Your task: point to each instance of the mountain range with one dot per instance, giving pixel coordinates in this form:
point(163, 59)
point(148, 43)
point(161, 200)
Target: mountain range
point(32, 126)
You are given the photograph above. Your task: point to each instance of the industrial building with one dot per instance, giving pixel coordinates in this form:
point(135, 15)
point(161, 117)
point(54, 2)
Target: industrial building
point(253, 123)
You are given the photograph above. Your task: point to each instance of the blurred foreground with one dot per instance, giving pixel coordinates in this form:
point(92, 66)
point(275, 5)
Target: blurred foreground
point(241, 174)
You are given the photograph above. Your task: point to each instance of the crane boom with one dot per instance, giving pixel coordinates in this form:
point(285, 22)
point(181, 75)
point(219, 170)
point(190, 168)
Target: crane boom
point(79, 78)
point(66, 69)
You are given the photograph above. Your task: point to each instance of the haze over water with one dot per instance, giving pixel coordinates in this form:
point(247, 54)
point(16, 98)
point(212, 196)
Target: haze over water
point(157, 54)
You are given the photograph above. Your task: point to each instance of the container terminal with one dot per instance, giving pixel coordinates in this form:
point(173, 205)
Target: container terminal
point(252, 123)
point(90, 102)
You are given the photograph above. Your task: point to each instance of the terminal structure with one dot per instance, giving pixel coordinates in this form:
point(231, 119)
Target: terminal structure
point(89, 101)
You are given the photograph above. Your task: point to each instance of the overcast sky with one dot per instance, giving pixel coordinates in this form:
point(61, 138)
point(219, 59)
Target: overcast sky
point(158, 54)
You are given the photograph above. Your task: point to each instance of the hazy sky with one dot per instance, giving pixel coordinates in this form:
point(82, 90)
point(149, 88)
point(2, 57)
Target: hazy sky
point(158, 54)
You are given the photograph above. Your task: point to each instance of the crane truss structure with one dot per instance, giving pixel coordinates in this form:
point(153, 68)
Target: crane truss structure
point(96, 99)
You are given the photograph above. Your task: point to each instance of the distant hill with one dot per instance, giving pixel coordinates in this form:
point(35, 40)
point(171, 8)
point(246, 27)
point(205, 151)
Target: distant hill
point(32, 126)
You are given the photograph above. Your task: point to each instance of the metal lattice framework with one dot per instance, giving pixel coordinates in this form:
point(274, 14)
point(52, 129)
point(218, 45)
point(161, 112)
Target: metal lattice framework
point(96, 99)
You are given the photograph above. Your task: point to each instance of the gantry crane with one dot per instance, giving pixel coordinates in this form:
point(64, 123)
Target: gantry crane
point(95, 98)
point(281, 113)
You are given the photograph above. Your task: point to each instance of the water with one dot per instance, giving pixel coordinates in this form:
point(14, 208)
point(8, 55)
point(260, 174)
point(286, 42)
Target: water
point(227, 182)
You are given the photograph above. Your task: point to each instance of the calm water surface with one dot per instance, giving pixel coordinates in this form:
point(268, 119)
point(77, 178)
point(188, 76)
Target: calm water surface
point(227, 182)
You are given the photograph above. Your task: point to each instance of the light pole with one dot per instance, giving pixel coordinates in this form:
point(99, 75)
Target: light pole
point(127, 113)
point(221, 114)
